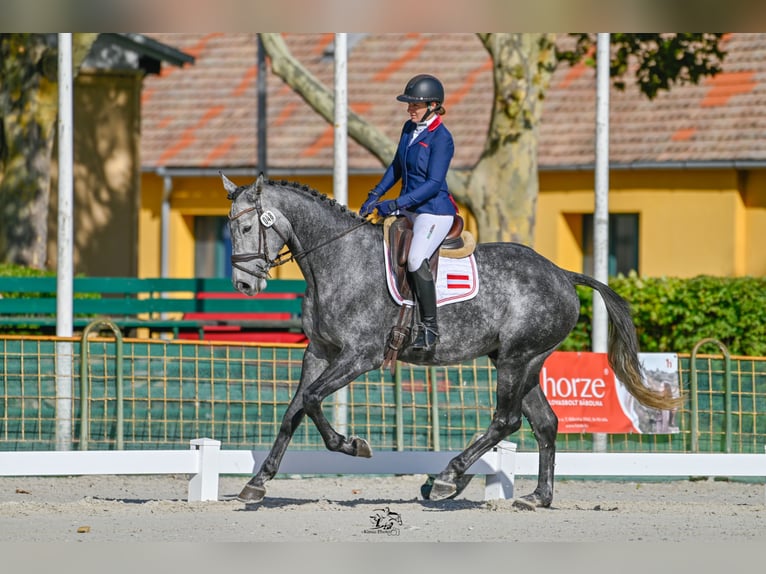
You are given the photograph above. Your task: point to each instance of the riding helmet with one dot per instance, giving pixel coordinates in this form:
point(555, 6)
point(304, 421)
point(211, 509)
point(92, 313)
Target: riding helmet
point(422, 88)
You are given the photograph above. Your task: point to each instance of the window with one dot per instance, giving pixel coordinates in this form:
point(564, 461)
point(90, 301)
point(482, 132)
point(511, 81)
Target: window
point(212, 247)
point(623, 243)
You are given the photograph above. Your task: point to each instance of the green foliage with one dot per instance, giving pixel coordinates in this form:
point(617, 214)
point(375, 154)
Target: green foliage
point(672, 314)
point(12, 270)
point(660, 60)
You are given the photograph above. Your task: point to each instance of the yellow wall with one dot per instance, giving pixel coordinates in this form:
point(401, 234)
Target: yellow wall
point(106, 167)
point(755, 223)
point(690, 222)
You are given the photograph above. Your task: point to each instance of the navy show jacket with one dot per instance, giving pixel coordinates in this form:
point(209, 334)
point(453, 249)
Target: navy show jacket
point(422, 166)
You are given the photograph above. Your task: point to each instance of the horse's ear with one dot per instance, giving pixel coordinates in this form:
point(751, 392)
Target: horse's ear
point(256, 189)
point(228, 185)
point(259, 184)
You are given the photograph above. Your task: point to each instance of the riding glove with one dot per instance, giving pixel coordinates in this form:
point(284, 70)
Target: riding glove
point(388, 207)
point(368, 206)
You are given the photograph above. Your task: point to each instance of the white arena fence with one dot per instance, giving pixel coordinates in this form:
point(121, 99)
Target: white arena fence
point(206, 461)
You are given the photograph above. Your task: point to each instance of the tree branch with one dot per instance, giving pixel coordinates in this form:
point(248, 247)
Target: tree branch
point(322, 100)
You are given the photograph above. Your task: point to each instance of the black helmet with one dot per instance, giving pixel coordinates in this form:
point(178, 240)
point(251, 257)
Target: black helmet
point(422, 88)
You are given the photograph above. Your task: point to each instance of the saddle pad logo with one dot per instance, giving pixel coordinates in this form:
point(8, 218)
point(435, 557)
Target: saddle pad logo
point(457, 280)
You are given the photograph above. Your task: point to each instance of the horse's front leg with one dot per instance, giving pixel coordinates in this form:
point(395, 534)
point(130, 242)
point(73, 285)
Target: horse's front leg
point(255, 490)
point(341, 372)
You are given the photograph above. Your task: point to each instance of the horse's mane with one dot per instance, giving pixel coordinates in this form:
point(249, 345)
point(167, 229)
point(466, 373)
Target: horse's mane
point(301, 188)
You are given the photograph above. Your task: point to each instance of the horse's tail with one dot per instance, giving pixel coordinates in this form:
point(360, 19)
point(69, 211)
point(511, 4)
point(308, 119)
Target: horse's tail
point(623, 346)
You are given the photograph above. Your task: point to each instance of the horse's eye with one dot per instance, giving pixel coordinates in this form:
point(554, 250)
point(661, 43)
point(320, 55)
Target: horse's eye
point(247, 228)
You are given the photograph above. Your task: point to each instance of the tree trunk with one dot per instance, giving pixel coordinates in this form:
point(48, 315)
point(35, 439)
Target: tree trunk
point(28, 112)
point(503, 186)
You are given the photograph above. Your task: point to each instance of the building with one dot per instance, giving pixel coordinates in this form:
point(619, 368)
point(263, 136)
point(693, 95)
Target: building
point(107, 125)
point(687, 170)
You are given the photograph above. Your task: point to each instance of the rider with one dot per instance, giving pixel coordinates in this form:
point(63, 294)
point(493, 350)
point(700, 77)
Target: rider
point(422, 159)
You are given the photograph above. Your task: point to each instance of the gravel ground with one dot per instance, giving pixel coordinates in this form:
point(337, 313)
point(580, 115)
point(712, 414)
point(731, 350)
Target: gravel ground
point(136, 524)
point(374, 509)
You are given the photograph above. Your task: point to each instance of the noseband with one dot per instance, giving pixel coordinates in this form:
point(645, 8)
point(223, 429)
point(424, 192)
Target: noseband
point(267, 220)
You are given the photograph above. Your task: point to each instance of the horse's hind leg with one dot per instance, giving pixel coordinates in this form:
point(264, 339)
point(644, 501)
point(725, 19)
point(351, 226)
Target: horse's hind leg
point(515, 377)
point(544, 423)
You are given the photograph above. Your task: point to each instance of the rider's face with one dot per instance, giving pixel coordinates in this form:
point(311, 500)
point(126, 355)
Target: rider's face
point(416, 110)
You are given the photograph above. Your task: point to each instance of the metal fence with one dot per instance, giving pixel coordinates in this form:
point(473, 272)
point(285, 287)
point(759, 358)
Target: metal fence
point(174, 391)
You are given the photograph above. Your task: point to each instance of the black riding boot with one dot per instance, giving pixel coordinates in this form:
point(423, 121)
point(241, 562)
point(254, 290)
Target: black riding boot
point(425, 292)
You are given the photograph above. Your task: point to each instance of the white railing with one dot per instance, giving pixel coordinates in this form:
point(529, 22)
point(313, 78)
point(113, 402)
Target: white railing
point(205, 461)
point(648, 464)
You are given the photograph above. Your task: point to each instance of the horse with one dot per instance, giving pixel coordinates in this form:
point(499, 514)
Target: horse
point(525, 308)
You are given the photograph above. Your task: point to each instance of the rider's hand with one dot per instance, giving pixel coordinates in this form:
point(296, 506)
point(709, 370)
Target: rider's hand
point(388, 207)
point(368, 206)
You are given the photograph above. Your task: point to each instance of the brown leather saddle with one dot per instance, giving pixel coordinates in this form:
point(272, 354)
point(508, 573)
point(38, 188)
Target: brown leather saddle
point(397, 232)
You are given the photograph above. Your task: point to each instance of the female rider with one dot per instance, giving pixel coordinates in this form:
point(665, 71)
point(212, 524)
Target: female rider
point(421, 162)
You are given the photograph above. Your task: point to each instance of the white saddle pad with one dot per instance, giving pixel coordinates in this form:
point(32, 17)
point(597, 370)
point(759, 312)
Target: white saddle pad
point(458, 280)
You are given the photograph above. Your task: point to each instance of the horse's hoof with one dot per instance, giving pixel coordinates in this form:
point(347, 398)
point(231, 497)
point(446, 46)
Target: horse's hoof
point(532, 502)
point(524, 504)
point(460, 485)
point(361, 447)
point(462, 482)
point(441, 490)
point(252, 494)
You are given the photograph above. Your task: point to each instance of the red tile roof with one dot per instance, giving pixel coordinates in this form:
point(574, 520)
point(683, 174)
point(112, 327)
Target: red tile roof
point(205, 115)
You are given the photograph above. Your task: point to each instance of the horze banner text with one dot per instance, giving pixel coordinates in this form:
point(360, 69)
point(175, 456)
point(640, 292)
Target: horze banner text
point(587, 397)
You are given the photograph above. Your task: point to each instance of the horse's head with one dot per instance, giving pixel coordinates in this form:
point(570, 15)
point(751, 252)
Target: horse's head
point(255, 239)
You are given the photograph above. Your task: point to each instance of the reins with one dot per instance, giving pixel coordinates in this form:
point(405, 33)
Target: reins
point(267, 221)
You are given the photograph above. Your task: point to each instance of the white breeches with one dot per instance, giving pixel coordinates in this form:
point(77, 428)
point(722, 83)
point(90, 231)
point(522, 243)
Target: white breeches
point(428, 231)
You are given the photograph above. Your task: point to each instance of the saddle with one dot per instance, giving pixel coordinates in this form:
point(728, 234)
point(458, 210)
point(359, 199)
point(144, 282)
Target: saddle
point(397, 233)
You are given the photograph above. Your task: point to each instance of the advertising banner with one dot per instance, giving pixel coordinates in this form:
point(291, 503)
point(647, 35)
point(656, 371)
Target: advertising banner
point(588, 398)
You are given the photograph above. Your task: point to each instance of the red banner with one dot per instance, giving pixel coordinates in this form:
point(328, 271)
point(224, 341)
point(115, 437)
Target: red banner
point(587, 397)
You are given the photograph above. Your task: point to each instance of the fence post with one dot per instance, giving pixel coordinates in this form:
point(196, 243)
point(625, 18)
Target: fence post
point(398, 409)
point(85, 384)
point(435, 427)
point(694, 409)
point(500, 485)
point(204, 485)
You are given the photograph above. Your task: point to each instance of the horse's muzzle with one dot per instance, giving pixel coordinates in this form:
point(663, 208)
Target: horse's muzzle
point(250, 287)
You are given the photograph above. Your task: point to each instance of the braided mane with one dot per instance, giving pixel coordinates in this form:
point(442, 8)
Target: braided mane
point(303, 188)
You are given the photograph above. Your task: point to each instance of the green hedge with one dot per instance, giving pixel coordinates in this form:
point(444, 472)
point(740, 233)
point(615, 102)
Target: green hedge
point(672, 315)
point(12, 270)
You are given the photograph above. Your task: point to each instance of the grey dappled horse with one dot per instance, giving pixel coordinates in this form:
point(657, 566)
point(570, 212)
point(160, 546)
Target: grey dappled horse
point(525, 308)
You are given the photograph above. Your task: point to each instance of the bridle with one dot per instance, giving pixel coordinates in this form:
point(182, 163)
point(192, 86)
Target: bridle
point(267, 220)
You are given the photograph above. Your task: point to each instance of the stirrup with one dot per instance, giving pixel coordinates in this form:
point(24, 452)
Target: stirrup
point(426, 337)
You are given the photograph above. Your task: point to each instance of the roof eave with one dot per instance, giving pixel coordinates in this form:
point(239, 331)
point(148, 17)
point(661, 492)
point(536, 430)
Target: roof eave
point(151, 48)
